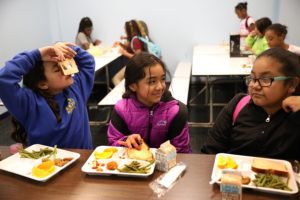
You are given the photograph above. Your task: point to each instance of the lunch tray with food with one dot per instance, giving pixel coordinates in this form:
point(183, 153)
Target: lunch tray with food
point(121, 161)
point(39, 162)
point(264, 174)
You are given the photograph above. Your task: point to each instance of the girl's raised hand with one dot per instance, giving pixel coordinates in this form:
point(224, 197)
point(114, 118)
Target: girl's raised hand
point(65, 48)
point(291, 104)
point(132, 141)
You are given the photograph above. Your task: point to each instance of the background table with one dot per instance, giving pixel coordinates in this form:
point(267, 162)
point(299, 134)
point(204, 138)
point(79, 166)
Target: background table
point(73, 184)
point(213, 61)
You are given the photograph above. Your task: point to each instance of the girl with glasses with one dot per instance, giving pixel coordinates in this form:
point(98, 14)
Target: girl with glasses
point(267, 124)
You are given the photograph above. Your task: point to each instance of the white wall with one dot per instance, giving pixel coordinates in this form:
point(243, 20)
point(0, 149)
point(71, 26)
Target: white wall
point(175, 25)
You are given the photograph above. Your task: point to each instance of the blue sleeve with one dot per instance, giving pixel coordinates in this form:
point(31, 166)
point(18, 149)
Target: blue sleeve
point(17, 99)
point(84, 80)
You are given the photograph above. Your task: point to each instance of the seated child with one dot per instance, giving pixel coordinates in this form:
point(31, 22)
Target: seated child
point(268, 124)
point(148, 111)
point(275, 35)
point(256, 40)
point(51, 108)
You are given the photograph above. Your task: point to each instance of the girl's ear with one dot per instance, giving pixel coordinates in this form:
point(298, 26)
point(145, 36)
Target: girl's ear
point(293, 85)
point(133, 87)
point(43, 85)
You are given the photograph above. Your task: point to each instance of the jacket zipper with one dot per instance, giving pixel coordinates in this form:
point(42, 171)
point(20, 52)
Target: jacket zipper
point(268, 118)
point(150, 126)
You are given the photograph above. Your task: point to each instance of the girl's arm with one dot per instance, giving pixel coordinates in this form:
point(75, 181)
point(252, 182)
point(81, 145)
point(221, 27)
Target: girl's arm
point(117, 130)
point(84, 80)
point(179, 131)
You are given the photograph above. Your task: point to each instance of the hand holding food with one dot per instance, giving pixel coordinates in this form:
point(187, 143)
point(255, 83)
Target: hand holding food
point(132, 141)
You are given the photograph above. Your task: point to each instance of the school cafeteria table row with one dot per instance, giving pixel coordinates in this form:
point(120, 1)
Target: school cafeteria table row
point(72, 183)
point(212, 62)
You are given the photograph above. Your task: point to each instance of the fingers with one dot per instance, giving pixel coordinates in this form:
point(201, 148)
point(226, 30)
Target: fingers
point(66, 49)
point(291, 104)
point(132, 141)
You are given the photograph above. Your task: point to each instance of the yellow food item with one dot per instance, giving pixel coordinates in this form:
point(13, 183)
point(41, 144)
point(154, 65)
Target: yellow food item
point(112, 149)
point(231, 163)
point(226, 162)
point(44, 169)
point(103, 155)
point(221, 162)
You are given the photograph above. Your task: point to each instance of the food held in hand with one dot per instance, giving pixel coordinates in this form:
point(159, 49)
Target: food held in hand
point(226, 162)
point(43, 169)
point(143, 154)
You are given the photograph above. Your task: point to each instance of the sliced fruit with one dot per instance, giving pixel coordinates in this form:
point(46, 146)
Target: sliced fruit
point(103, 155)
point(221, 162)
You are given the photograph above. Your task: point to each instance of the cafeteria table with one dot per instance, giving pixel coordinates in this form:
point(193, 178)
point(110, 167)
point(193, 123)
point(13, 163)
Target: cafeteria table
point(72, 183)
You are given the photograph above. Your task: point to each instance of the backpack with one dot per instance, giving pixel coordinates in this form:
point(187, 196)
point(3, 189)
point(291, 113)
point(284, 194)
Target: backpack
point(151, 47)
point(239, 106)
point(246, 23)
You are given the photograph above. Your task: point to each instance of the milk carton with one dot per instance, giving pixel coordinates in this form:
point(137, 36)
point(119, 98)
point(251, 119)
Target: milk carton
point(165, 156)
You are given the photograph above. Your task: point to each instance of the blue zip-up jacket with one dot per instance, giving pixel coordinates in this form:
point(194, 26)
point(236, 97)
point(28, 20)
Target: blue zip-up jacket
point(165, 121)
point(33, 112)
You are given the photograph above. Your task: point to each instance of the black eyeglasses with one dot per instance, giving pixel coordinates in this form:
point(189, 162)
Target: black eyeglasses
point(265, 81)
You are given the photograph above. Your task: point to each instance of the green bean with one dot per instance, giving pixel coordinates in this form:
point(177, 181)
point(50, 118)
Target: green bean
point(135, 167)
point(37, 154)
point(271, 181)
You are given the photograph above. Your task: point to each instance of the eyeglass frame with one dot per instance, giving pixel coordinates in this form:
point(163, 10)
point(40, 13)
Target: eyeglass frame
point(249, 79)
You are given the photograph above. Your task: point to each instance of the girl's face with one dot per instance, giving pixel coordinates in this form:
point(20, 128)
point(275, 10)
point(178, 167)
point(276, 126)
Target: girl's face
point(269, 97)
point(242, 14)
point(273, 39)
point(55, 80)
point(150, 89)
point(88, 31)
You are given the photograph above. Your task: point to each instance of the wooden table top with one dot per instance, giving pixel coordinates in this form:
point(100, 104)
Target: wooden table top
point(72, 183)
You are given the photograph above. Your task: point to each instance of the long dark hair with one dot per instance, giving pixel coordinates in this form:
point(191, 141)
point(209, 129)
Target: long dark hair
point(132, 30)
point(135, 69)
point(31, 80)
point(290, 62)
point(85, 22)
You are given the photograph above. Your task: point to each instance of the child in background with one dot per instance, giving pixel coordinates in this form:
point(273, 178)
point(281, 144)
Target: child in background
point(84, 36)
point(147, 110)
point(275, 35)
point(268, 124)
point(247, 23)
point(132, 46)
point(51, 108)
point(256, 39)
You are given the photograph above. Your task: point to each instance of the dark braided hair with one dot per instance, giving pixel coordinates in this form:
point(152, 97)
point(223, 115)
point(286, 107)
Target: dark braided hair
point(31, 80)
point(241, 6)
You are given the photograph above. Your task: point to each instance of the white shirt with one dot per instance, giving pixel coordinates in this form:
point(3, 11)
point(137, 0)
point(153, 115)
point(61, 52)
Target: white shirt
point(243, 28)
point(294, 49)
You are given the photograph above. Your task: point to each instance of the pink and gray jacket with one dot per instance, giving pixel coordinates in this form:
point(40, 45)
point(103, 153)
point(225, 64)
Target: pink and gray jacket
point(165, 121)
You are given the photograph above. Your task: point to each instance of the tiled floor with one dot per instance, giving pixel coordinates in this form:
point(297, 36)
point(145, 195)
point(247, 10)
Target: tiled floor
point(197, 113)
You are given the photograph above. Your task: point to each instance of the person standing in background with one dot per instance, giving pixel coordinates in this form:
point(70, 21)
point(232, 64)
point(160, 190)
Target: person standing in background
point(247, 23)
point(275, 35)
point(84, 36)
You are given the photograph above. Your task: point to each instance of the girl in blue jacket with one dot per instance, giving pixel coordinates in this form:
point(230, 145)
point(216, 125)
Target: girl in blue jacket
point(147, 110)
point(51, 107)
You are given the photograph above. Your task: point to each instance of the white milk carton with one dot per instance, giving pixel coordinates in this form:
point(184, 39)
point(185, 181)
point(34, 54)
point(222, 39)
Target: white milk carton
point(165, 156)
